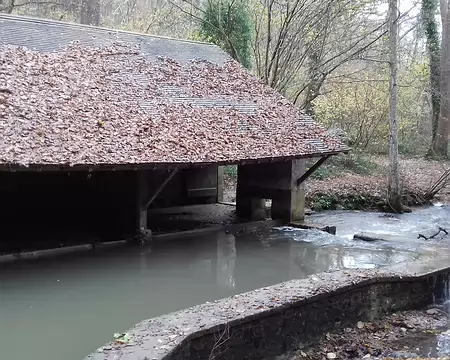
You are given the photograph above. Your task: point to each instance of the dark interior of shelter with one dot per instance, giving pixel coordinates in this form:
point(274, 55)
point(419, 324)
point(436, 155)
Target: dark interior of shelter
point(47, 209)
point(50, 209)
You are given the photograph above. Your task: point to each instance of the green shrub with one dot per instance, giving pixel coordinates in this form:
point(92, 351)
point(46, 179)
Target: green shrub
point(230, 171)
point(323, 173)
point(356, 162)
point(323, 202)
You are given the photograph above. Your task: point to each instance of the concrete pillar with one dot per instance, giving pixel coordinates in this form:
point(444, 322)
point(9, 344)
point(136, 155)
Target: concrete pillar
point(276, 181)
point(248, 205)
point(289, 204)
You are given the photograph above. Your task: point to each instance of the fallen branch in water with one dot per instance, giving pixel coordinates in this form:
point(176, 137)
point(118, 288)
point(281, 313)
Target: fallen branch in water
point(434, 235)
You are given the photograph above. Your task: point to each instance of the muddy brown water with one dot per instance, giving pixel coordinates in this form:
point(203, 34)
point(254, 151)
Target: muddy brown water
point(65, 307)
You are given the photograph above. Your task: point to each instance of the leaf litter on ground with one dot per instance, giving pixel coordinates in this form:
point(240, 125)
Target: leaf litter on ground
point(395, 336)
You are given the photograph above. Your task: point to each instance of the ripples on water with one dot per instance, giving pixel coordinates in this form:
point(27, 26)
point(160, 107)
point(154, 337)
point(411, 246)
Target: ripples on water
point(66, 307)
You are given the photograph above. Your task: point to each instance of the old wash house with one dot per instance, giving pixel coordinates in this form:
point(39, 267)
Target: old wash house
point(99, 126)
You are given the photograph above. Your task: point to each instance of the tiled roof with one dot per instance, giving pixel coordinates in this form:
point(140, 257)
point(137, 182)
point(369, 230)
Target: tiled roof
point(79, 95)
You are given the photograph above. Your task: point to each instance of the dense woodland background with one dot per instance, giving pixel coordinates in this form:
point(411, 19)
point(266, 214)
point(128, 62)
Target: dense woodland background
point(330, 57)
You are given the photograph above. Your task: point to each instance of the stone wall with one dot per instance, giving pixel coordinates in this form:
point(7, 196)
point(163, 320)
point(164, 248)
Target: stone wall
point(271, 321)
point(298, 326)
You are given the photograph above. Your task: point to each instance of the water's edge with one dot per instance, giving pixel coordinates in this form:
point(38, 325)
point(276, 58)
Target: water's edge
point(283, 317)
point(53, 252)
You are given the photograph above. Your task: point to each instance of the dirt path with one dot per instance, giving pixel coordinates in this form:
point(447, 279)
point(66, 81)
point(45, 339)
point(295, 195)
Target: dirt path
point(407, 335)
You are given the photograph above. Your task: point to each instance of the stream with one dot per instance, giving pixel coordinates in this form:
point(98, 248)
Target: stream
point(66, 307)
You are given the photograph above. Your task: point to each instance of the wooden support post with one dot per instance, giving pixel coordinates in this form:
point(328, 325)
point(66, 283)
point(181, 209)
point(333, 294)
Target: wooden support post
point(160, 188)
point(143, 202)
point(141, 197)
point(312, 169)
point(143, 234)
point(220, 184)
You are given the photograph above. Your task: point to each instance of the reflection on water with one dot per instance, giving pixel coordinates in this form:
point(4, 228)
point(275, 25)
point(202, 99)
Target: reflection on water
point(226, 260)
point(65, 308)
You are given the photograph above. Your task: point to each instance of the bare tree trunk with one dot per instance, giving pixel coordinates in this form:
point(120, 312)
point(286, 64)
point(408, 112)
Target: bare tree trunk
point(429, 22)
point(90, 12)
point(395, 199)
point(441, 141)
point(10, 8)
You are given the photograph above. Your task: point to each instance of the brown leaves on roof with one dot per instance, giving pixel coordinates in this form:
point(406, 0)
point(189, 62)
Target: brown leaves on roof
point(115, 106)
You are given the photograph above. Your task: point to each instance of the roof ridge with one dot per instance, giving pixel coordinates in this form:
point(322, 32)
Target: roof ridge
point(98, 28)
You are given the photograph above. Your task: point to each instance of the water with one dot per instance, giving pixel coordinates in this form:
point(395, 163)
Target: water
point(66, 307)
point(439, 344)
point(404, 228)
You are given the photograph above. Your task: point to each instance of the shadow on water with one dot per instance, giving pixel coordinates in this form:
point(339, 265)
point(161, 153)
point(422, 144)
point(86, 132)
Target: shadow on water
point(65, 307)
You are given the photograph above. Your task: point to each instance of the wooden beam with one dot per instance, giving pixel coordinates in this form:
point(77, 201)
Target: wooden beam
point(141, 197)
point(160, 188)
point(153, 166)
point(311, 170)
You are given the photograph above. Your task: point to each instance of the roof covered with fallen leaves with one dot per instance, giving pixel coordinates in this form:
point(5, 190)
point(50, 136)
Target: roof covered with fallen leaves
point(82, 96)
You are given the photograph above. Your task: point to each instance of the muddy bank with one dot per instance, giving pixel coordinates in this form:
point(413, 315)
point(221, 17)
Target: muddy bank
point(409, 334)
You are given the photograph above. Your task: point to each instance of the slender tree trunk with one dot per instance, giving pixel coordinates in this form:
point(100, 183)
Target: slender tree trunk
point(315, 82)
point(441, 141)
point(395, 199)
point(10, 7)
point(90, 12)
point(429, 11)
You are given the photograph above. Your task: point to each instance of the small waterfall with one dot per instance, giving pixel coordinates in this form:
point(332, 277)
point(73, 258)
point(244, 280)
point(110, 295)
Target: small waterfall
point(441, 291)
point(446, 294)
point(441, 301)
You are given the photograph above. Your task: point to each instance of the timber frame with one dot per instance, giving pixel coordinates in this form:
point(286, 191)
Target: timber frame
point(312, 169)
point(153, 166)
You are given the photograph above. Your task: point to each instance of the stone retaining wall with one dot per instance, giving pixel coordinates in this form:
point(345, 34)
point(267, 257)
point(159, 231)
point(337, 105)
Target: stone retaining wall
point(284, 317)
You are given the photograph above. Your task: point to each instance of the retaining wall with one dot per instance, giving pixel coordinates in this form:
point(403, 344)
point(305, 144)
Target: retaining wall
point(284, 317)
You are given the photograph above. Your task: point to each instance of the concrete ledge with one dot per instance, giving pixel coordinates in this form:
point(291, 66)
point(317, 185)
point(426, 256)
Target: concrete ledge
point(176, 236)
point(29, 255)
point(273, 320)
